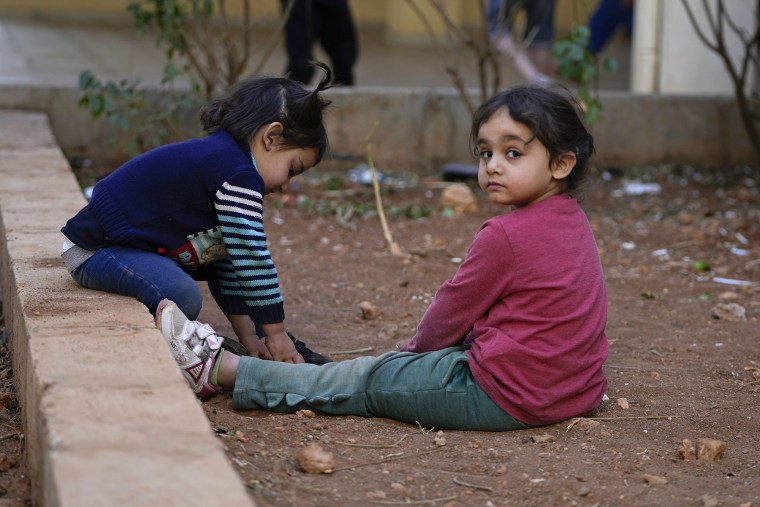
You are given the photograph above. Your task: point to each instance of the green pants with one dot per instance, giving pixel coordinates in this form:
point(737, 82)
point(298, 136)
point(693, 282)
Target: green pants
point(434, 389)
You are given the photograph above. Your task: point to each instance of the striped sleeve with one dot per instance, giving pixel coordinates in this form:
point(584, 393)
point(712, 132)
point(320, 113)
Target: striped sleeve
point(251, 273)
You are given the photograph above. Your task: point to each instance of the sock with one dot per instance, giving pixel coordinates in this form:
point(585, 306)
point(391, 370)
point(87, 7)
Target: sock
point(215, 371)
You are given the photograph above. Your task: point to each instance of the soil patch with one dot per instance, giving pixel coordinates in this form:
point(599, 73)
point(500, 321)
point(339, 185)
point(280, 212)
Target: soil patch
point(15, 488)
point(681, 253)
point(680, 248)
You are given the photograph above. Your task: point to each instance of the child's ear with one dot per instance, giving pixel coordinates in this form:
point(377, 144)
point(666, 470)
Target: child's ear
point(271, 133)
point(563, 165)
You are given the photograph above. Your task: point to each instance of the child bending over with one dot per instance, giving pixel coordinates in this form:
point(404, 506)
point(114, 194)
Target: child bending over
point(515, 339)
point(193, 211)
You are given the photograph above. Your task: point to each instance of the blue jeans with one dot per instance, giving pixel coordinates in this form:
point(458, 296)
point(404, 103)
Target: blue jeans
point(150, 277)
point(434, 389)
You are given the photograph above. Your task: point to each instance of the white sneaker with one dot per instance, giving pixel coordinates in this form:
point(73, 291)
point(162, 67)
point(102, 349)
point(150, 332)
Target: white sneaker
point(194, 346)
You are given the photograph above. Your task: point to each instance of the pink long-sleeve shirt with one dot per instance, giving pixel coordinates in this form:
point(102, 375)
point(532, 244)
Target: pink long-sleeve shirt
point(530, 298)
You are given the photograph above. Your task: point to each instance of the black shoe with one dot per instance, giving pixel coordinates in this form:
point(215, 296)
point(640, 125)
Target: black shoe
point(235, 347)
point(308, 355)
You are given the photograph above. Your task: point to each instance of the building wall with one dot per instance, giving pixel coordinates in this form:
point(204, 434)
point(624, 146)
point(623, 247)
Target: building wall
point(668, 56)
point(687, 66)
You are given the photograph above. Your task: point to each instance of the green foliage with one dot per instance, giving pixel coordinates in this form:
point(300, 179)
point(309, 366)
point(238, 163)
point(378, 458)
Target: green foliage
point(348, 209)
point(184, 29)
point(123, 105)
point(333, 183)
point(170, 21)
point(120, 103)
point(411, 211)
point(200, 40)
point(575, 63)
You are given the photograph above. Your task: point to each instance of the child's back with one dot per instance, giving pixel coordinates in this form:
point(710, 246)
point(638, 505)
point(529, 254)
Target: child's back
point(539, 349)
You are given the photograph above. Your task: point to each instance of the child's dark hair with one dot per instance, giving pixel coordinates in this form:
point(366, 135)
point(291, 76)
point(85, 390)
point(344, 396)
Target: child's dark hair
point(262, 100)
point(553, 117)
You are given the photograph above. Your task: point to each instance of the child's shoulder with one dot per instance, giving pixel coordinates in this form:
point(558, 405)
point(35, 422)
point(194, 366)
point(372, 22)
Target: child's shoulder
point(539, 215)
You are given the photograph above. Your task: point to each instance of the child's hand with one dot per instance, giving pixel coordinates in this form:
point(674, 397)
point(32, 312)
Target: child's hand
point(256, 348)
point(282, 348)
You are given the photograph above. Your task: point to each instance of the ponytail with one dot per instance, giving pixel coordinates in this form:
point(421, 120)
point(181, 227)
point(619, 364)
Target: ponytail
point(262, 100)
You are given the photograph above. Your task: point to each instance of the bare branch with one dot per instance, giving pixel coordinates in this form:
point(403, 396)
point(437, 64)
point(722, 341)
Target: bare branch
point(449, 69)
point(696, 26)
point(246, 39)
point(460, 86)
point(738, 76)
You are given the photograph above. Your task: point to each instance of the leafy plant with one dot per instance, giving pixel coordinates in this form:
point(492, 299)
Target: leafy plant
point(123, 105)
point(202, 40)
point(333, 183)
point(577, 64)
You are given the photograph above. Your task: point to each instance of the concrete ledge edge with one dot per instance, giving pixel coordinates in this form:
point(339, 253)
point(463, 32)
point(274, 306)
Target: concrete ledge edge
point(141, 439)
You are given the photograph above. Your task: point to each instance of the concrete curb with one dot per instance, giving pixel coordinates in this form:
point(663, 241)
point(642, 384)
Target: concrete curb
point(420, 129)
point(109, 421)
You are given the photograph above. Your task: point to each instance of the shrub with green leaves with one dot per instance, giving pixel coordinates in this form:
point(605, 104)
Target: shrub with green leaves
point(575, 63)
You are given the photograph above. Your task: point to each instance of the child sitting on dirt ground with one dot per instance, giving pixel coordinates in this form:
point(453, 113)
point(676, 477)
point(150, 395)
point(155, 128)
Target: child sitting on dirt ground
point(193, 211)
point(515, 339)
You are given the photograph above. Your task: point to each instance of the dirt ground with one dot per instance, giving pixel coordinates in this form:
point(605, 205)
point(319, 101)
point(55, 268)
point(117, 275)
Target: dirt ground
point(15, 489)
point(675, 370)
point(681, 265)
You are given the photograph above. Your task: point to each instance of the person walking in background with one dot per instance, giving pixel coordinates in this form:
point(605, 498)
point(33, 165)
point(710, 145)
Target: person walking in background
point(515, 339)
point(331, 23)
point(608, 17)
point(193, 211)
point(538, 64)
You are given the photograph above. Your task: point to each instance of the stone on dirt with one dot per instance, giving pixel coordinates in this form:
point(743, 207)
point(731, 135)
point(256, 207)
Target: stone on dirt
point(459, 198)
point(313, 459)
point(706, 449)
point(369, 310)
point(709, 449)
point(687, 451)
point(729, 311)
point(543, 438)
point(655, 479)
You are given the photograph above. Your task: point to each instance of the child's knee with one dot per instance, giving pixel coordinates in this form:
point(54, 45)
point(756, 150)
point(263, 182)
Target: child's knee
point(188, 299)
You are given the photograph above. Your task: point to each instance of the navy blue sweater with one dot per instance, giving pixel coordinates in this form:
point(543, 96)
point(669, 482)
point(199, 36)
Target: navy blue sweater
point(198, 201)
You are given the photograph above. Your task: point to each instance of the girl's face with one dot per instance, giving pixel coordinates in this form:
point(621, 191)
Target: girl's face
point(278, 166)
point(514, 166)
point(277, 163)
